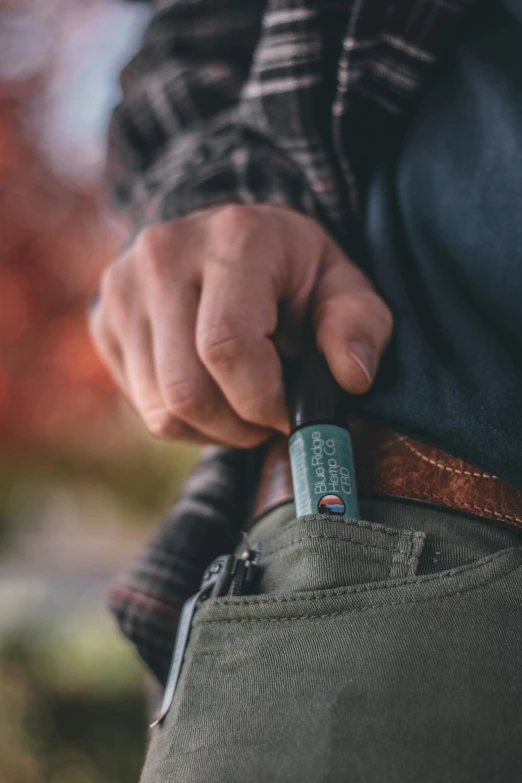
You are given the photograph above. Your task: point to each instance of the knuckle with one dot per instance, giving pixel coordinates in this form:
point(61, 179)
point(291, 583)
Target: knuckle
point(234, 232)
point(186, 400)
point(221, 345)
point(151, 251)
point(232, 228)
point(233, 218)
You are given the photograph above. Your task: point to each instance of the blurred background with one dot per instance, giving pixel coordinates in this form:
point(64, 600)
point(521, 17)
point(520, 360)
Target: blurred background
point(81, 484)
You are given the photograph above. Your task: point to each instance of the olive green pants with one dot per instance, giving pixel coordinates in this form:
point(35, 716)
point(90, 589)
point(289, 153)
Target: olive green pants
point(385, 651)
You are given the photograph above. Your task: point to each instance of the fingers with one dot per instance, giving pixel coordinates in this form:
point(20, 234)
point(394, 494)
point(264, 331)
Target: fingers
point(189, 320)
point(133, 373)
point(233, 341)
point(142, 387)
point(184, 385)
point(106, 343)
point(353, 324)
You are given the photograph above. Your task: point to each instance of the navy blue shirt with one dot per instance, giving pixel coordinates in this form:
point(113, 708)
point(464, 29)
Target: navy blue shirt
point(444, 230)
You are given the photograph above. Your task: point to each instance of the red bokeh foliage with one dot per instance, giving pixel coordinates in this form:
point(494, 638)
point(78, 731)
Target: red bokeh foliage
point(54, 239)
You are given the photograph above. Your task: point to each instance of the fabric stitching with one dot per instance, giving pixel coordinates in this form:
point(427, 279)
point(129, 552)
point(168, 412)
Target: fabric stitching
point(336, 538)
point(454, 503)
point(442, 466)
point(360, 523)
point(413, 559)
point(395, 562)
point(451, 574)
point(410, 561)
point(383, 605)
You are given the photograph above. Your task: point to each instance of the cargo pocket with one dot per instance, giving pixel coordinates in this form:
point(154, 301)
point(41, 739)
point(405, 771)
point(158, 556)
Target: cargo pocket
point(319, 552)
point(350, 667)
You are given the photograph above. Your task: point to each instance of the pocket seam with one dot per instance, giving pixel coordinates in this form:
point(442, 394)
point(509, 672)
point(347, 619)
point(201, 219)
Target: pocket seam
point(382, 605)
point(412, 558)
point(361, 523)
point(340, 591)
point(339, 538)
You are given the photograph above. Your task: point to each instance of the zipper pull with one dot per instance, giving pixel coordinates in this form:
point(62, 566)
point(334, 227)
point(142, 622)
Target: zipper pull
point(246, 569)
point(216, 581)
point(226, 575)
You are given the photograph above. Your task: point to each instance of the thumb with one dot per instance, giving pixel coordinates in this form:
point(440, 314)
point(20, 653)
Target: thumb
point(352, 323)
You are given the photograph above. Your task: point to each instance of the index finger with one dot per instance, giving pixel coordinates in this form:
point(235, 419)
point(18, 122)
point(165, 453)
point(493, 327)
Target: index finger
point(236, 319)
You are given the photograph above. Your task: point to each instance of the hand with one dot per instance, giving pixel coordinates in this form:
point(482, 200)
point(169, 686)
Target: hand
point(191, 320)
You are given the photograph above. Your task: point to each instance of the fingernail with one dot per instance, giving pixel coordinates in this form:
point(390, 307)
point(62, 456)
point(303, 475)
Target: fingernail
point(364, 358)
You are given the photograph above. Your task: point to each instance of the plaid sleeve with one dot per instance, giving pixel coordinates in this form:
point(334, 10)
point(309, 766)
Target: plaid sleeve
point(176, 143)
point(255, 101)
point(206, 521)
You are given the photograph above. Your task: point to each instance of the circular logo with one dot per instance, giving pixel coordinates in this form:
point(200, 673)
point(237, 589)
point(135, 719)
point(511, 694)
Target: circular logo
point(331, 504)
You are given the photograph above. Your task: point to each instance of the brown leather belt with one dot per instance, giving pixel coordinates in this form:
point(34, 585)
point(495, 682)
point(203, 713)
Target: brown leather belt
point(388, 464)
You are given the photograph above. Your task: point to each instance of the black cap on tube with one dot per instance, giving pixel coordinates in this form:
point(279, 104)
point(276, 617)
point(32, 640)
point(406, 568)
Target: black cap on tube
point(313, 394)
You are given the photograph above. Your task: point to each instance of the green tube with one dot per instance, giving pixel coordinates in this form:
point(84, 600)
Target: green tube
point(323, 473)
point(321, 456)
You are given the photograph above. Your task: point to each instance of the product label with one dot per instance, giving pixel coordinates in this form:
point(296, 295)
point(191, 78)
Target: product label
point(322, 471)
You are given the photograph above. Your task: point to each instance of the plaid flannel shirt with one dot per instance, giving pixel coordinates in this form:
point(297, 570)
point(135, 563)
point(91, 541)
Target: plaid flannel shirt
point(255, 101)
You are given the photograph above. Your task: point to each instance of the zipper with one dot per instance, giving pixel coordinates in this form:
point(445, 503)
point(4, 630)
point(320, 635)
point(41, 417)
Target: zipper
point(226, 575)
